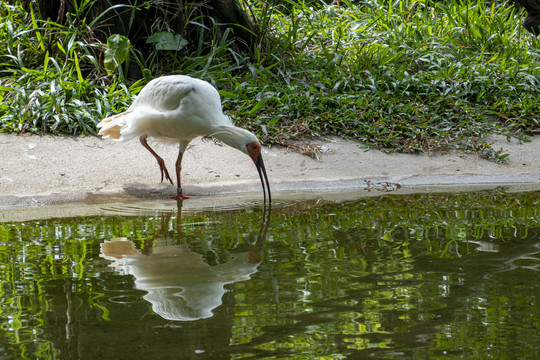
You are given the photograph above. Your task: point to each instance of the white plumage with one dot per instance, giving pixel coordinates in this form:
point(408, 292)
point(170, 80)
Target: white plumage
point(180, 108)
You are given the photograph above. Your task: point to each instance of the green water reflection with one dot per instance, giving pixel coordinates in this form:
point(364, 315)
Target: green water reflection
point(419, 276)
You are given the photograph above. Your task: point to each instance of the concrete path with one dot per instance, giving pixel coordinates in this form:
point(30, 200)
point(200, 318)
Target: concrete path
point(38, 170)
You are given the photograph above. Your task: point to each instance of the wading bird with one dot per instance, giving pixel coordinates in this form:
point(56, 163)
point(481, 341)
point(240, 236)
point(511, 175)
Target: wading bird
point(180, 108)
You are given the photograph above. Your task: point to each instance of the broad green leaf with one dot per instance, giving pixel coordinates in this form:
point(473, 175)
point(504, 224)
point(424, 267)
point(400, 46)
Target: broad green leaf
point(117, 52)
point(165, 40)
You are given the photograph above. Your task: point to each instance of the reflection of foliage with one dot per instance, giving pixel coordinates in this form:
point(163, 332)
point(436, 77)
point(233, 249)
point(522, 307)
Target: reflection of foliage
point(444, 222)
point(332, 273)
point(365, 254)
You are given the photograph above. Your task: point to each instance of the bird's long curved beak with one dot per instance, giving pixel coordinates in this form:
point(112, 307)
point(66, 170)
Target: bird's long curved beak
point(262, 173)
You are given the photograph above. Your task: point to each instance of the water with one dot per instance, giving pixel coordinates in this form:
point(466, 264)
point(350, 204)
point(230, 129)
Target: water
point(417, 276)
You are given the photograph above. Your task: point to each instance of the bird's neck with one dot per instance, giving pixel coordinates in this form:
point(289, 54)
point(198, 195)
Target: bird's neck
point(231, 135)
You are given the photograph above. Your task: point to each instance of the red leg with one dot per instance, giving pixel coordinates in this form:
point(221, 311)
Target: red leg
point(160, 161)
point(179, 193)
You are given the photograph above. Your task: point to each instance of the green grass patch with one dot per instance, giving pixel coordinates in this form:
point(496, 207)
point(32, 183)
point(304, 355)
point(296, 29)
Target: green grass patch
point(402, 76)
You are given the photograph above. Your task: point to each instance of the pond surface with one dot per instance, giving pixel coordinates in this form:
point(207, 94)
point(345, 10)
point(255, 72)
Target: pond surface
point(394, 276)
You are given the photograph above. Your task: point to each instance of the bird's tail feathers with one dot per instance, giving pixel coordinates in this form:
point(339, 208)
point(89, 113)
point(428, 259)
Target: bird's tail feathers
point(122, 127)
point(111, 127)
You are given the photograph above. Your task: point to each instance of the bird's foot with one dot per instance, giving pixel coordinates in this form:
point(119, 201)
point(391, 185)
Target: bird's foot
point(166, 173)
point(179, 196)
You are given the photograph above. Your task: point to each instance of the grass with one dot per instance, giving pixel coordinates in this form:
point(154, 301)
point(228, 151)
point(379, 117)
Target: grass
point(407, 76)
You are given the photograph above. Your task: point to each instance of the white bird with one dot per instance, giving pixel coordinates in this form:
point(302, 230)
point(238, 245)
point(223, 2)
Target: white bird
point(181, 108)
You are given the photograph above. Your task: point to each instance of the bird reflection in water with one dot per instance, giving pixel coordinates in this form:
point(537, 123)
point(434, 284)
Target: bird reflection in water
point(180, 285)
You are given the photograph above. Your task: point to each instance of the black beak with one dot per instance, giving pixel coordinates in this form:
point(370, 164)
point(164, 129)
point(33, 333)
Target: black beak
point(262, 171)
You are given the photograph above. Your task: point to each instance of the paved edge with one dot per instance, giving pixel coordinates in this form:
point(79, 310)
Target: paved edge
point(44, 171)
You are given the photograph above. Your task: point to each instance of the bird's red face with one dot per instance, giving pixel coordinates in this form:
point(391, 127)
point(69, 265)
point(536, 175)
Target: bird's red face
point(254, 150)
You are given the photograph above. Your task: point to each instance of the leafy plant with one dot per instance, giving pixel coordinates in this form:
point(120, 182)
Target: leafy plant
point(117, 52)
point(401, 76)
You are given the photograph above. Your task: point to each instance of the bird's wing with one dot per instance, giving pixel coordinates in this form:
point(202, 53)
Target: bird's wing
point(164, 94)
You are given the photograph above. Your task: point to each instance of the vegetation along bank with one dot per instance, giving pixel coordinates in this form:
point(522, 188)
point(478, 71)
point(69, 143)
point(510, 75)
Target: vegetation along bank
point(407, 76)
